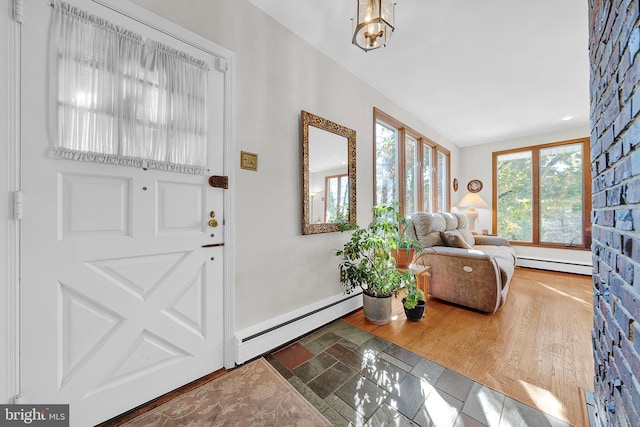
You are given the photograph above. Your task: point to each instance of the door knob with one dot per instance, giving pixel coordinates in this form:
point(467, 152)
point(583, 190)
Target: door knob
point(213, 223)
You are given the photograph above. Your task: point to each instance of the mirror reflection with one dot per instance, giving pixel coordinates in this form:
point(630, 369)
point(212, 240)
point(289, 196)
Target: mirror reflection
point(328, 175)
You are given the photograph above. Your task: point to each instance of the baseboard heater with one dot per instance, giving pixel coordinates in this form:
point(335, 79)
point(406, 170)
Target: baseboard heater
point(576, 267)
point(288, 322)
point(258, 339)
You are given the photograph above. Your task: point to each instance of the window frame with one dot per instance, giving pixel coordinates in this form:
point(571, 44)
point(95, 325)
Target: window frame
point(535, 193)
point(423, 142)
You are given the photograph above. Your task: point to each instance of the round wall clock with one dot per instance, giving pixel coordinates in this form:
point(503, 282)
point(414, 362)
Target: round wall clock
point(474, 186)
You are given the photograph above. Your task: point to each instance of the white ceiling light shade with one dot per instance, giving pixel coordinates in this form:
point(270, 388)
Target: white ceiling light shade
point(373, 23)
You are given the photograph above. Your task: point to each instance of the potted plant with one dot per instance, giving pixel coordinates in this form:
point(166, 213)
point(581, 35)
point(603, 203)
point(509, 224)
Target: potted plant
point(367, 264)
point(403, 247)
point(414, 303)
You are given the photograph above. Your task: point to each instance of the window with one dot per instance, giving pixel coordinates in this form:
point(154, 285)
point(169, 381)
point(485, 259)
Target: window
point(427, 178)
point(386, 164)
point(337, 200)
point(542, 194)
point(404, 168)
point(442, 195)
point(126, 100)
point(411, 171)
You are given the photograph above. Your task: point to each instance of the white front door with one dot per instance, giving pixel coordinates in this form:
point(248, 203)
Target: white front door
point(121, 272)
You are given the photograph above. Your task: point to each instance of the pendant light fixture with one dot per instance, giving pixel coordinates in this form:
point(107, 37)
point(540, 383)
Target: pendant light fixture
point(373, 23)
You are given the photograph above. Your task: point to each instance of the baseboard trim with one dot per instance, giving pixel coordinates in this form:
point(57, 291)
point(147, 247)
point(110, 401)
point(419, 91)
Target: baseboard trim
point(575, 267)
point(260, 338)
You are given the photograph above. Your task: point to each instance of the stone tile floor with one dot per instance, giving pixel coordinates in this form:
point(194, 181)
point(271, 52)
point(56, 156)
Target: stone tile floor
point(357, 379)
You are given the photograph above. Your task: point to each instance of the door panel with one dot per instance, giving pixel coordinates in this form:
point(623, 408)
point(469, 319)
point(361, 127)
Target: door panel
point(180, 208)
point(79, 210)
point(120, 301)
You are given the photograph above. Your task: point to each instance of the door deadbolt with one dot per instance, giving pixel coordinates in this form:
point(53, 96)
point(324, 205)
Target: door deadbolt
point(212, 214)
point(213, 223)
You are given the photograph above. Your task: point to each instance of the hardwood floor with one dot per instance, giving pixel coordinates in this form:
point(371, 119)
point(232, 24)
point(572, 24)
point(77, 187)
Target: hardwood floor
point(535, 349)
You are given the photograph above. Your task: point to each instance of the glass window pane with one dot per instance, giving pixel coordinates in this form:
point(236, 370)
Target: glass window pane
point(442, 182)
point(515, 196)
point(332, 199)
point(386, 164)
point(411, 177)
point(343, 200)
point(427, 182)
point(337, 203)
point(561, 194)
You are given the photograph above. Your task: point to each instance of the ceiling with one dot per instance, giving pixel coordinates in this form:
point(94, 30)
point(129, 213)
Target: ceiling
point(473, 71)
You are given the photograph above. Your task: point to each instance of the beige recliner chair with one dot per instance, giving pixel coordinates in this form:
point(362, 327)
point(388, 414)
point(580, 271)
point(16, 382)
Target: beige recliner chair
point(470, 270)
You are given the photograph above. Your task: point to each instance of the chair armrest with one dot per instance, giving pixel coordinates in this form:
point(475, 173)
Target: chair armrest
point(422, 259)
point(491, 240)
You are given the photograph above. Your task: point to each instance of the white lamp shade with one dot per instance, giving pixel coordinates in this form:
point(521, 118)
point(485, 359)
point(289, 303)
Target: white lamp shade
point(472, 200)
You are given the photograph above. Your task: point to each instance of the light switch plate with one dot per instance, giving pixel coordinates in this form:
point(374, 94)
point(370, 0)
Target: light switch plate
point(248, 161)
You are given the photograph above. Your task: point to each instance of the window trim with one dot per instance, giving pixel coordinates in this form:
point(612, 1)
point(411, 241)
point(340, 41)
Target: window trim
point(422, 141)
point(535, 193)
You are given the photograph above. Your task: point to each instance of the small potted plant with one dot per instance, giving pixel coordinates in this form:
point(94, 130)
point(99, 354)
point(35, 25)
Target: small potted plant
point(414, 303)
point(403, 247)
point(367, 264)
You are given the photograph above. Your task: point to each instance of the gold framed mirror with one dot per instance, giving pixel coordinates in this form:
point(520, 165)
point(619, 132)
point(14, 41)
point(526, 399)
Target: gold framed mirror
point(328, 175)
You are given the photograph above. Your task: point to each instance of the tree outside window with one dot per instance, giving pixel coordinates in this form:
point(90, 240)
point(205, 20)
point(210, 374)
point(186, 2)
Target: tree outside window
point(542, 194)
point(442, 195)
point(561, 184)
point(411, 165)
point(427, 178)
point(514, 208)
point(337, 200)
point(386, 164)
point(405, 171)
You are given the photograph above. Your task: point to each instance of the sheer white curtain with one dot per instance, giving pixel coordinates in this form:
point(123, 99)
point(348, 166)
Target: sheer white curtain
point(121, 99)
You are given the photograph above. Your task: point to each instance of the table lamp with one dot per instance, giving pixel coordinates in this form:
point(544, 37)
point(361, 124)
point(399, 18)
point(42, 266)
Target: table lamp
point(472, 201)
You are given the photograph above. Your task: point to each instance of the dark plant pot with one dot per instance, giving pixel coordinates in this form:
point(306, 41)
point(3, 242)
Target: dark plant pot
point(377, 310)
point(415, 314)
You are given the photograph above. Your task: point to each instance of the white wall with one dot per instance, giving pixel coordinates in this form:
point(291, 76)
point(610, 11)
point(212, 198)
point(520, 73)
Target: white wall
point(277, 269)
point(476, 163)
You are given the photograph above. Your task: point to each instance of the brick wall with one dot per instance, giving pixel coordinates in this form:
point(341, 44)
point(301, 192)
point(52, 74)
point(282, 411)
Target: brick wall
point(614, 41)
